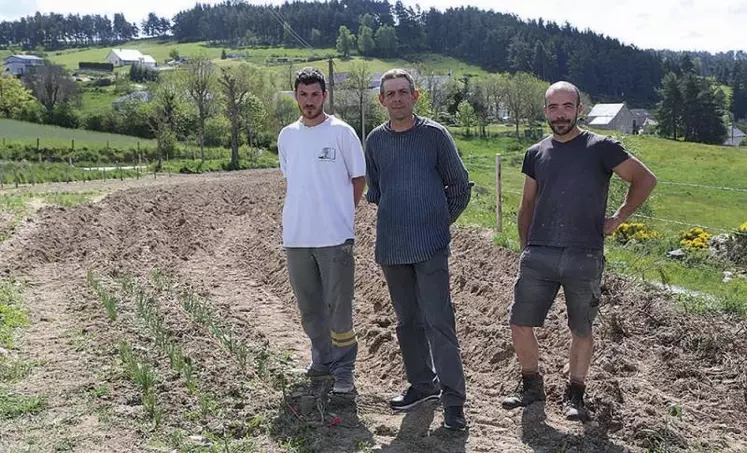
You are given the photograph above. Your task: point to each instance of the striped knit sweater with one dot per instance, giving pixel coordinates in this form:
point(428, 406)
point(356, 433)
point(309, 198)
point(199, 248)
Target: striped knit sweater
point(420, 186)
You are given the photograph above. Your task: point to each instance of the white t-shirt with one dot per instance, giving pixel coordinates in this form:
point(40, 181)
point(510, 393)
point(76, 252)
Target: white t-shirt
point(319, 164)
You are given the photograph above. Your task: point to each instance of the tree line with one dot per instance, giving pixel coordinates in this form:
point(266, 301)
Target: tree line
point(604, 67)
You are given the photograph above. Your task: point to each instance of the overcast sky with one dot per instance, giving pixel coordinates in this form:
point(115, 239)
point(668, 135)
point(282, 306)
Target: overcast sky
point(712, 25)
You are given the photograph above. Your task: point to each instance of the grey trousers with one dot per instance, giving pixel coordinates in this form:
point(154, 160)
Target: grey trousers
point(322, 281)
point(426, 328)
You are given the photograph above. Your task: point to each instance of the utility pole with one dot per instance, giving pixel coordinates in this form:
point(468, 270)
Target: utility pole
point(363, 126)
point(331, 86)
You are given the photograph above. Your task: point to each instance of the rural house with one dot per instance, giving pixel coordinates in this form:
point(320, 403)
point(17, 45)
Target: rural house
point(734, 137)
point(612, 117)
point(123, 57)
point(19, 65)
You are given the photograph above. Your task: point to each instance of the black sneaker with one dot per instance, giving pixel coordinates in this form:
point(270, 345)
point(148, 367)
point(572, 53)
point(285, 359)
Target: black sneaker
point(411, 398)
point(454, 418)
point(575, 409)
point(530, 389)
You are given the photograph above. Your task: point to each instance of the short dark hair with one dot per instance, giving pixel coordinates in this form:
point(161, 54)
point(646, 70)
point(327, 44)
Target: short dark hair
point(310, 76)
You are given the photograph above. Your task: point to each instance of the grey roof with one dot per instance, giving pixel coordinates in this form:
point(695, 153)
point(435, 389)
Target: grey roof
point(606, 110)
point(24, 57)
point(640, 113)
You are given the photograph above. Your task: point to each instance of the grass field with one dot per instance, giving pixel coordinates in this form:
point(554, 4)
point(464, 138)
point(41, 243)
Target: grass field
point(52, 136)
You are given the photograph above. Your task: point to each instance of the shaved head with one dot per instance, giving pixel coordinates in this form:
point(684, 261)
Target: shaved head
point(563, 86)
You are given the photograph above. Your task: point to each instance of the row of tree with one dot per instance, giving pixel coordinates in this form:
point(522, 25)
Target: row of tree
point(604, 67)
point(55, 31)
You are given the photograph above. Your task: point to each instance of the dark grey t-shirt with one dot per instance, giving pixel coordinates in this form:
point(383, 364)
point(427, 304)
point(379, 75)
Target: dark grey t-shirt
point(573, 180)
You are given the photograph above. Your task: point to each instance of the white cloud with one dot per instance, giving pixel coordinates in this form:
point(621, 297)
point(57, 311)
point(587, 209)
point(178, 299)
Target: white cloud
point(714, 25)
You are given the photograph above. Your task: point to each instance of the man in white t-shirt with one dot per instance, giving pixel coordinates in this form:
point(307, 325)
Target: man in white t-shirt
point(323, 163)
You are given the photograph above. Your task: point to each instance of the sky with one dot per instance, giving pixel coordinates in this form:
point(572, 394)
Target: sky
point(709, 25)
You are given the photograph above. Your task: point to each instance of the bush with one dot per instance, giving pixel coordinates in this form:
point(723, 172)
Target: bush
point(634, 231)
point(103, 82)
point(695, 238)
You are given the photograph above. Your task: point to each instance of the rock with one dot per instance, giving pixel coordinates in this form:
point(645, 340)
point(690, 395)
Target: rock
point(201, 440)
point(679, 254)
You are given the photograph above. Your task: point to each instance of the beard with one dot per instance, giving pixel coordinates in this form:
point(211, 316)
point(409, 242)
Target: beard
point(311, 112)
point(562, 127)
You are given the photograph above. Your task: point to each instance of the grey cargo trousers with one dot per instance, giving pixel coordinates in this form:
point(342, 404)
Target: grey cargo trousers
point(322, 281)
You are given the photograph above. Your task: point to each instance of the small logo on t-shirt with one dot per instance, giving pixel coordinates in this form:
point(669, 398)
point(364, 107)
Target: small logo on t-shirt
point(328, 154)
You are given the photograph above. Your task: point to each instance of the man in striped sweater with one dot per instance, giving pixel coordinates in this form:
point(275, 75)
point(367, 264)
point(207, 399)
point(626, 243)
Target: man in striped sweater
point(421, 186)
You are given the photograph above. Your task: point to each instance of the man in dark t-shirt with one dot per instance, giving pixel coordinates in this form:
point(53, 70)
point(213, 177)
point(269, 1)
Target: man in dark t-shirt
point(562, 226)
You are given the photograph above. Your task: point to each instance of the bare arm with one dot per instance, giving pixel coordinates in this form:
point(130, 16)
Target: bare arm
point(642, 182)
point(359, 184)
point(526, 209)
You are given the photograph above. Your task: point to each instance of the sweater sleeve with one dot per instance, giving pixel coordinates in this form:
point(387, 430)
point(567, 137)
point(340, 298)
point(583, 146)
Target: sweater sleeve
point(454, 176)
point(373, 195)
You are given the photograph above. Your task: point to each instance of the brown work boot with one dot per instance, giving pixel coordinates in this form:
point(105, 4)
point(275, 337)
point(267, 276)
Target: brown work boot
point(531, 389)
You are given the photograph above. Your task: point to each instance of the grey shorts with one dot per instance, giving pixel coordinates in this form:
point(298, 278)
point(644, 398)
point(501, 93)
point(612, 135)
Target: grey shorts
point(543, 270)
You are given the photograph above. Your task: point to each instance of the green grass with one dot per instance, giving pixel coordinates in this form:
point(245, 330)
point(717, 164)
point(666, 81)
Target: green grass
point(671, 162)
point(98, 100)
point(20, 132)
point(13, 405)
point(693, 163)
point(12, 314)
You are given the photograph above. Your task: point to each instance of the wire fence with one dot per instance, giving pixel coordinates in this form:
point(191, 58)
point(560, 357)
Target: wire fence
point(482, 163)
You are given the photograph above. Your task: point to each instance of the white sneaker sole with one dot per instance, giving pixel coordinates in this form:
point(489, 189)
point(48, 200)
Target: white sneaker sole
point(416, 403)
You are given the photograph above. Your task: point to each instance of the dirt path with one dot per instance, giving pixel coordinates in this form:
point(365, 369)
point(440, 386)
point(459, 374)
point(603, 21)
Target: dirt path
point(660, 379)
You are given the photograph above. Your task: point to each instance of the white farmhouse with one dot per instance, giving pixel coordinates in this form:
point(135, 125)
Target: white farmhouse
point(123, 57)
point(19, 65)
point(611, 117)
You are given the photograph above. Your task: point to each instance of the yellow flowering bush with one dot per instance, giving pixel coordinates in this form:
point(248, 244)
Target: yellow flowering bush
point(637, 231)
point(743, 228)
point(695, 238)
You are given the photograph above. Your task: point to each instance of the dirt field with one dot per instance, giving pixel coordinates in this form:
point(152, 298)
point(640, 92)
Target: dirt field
point(198, 279)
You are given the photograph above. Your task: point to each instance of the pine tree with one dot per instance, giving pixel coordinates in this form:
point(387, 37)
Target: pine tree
point(669, 110)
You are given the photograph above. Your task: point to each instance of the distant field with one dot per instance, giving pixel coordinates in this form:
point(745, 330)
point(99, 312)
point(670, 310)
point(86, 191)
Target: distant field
point(27, 133)
point(160, 50)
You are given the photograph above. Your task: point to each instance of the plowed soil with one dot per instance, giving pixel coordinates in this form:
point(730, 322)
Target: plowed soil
point(661, 379)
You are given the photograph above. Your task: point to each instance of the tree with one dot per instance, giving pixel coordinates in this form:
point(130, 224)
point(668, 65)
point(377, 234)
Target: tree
point(200, 84)
point(316, 37)
point(236, 90)
point(669, 109)
point(164, 117)
point(174, 54)
point(15, 99)
point(254, 116)
point(466, 116)
point(523, 96)
point(738, 105)
point(424, 105)
point(359, 81)
point(345, 41)
point(691, 104)
point(367, 20)
point(386, 41)
point(51, 85)
point(366, 43)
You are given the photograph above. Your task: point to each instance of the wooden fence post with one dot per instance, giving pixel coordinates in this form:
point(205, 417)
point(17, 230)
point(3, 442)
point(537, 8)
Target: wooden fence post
point(498, 202)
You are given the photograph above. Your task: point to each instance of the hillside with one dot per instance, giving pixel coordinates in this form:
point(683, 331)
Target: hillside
point(281, 57)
